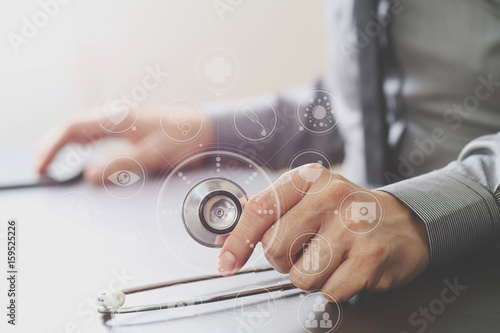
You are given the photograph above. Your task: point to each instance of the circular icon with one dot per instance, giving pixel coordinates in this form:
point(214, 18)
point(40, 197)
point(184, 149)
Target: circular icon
point(217, 70)
point(175, 121)
point(316, 314)
point(116, 112)
point(316, 251)
point(255, 312)
point(126, 183)
point(318, 112)
point(251, 123)
point(360, 212)
point(312, 174)
point(77, 206)
point(218, 212)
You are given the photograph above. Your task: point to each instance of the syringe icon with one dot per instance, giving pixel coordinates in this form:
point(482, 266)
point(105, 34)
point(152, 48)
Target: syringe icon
point(254, 118)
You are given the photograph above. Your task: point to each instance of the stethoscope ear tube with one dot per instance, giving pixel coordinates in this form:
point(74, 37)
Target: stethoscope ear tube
point(212, 209)
point(107, 309)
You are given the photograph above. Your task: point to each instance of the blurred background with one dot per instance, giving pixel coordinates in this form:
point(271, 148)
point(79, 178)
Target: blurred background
point(85, 49)
point(88, 48)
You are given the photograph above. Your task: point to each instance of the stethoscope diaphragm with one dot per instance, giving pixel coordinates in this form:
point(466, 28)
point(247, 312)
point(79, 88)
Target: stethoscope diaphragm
point(212, 209)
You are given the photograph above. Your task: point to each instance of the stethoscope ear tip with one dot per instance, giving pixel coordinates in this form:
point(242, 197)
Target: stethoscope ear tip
point(111, 299)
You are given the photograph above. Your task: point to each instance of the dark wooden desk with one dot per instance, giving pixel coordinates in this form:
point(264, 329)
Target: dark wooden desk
point(76, 240)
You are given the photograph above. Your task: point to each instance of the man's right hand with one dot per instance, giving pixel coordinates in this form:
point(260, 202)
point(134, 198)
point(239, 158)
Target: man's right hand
point(150, 144)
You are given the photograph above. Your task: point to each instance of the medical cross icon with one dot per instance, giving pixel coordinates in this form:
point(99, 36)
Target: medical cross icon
point(218, 69)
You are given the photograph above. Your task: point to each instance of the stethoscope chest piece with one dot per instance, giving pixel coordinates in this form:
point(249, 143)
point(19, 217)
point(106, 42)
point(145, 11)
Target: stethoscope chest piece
point(212, 209)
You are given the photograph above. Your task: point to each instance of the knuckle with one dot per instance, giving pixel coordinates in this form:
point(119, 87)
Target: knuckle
point(377, 253)
point(385, 283)
point(339, 189)
point(274, 249)
point(301, 280)
point(281, 266)
point(259, 204)
point(327, 294)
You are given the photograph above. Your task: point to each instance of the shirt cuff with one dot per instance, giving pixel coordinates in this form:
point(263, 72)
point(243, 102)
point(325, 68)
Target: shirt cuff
point(460, 215)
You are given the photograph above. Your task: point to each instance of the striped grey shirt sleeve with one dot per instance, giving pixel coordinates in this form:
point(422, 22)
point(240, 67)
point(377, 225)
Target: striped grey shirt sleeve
point(459, 204)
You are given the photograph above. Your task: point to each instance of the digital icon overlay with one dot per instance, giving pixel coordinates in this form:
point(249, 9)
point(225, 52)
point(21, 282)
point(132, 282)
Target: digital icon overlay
point(318, 112)
point(255, 120)
point(217, 70)
point(360, 212)
point(116, 112)
point(321, 316)
point(124, 183)
point(175, 120)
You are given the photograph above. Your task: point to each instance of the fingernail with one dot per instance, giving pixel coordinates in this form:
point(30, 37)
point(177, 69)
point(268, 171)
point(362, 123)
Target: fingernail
point(227, 263)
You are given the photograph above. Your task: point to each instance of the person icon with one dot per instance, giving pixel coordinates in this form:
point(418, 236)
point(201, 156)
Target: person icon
point(311, 322)
point(326, 322)
point(319, 306)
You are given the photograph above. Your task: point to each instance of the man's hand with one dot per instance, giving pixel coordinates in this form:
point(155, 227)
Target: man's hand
point(323, 241)
point(150, 144)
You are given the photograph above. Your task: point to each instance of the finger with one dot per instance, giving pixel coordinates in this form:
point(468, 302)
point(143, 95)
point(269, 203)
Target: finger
point(318, 260)
point(259, 214)
point(347, 280)
point(83, 131)
point(285, 240)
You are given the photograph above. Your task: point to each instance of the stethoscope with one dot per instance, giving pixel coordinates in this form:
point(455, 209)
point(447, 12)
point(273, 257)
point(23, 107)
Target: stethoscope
point(210, 211)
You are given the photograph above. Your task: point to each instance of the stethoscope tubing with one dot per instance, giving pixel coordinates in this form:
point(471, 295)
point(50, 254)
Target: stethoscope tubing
point(196, 301)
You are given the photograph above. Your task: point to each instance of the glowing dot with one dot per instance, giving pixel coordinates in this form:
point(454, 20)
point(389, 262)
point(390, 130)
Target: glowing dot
point(217, 164)
point(201, 145)
point(254, 174)
point(336, 212)
point(251, 245)
point(218, 170)
point(265, 211)
point(217, 159)
point(325, 98)
point(301, 128)
point(180, 174)
point(319, 112)
point(311, 100)
point(248, 241)
point(251, 178)
point(134, 128)
point(271, 211)
point(259, 212)
point(184, 178)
